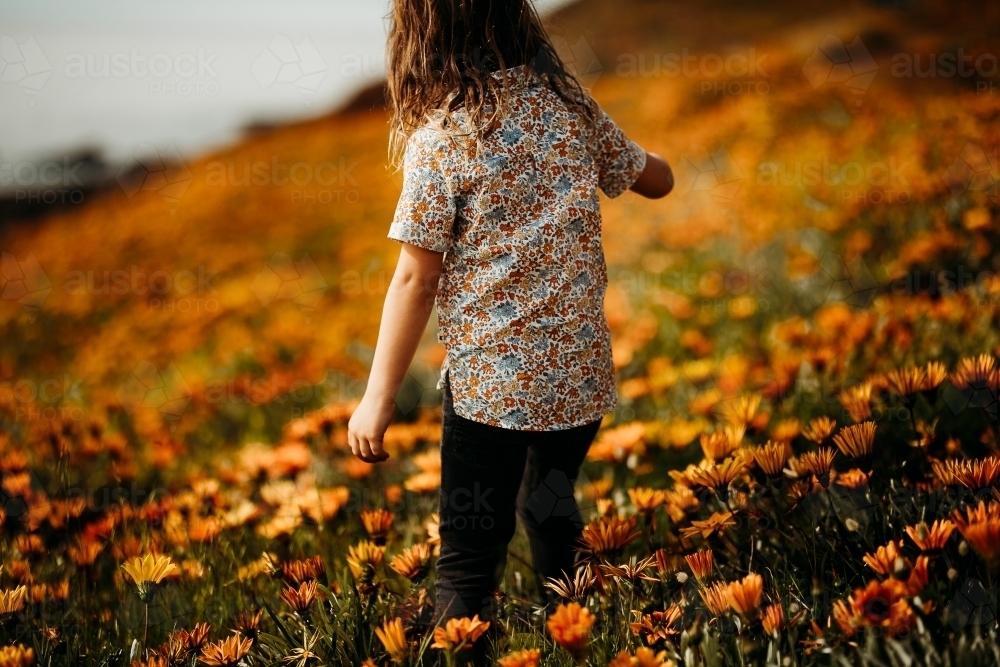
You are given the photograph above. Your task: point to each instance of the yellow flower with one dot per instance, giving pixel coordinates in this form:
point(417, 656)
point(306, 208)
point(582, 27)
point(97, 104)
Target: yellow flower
point(393, 637)
point(17, 655)
point(147, 573)
point(608, 535)
point(570, 627)
point(856, 441)
point(701, 564)
point(363, 558)
point(12, 600)
point(378, 523)
point(412, 563)
point(774, 619)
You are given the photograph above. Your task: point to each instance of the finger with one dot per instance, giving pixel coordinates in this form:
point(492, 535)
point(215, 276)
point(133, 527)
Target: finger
point(378, 450)
point(366, 451)
point(353, 441)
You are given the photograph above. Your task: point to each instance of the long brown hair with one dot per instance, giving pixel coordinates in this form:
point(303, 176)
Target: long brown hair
point(441, 54)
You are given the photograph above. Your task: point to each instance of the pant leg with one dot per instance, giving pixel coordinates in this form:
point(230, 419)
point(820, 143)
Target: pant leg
point(481, 471)
point(545, 501)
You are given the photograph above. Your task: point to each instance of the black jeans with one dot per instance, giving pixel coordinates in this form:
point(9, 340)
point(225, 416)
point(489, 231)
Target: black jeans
point(488, 474)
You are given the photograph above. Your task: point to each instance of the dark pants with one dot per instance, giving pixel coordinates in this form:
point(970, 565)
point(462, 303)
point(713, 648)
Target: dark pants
point(487, 474)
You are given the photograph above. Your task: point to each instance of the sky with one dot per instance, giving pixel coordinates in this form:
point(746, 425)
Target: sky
point(112, 75)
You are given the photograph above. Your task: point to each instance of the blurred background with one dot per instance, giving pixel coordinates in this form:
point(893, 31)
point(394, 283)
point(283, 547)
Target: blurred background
point(194, 198)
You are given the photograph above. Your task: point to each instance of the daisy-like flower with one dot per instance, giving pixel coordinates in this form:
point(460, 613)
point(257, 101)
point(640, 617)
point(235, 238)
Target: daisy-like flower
point(716, 523)
point(935, 373)
point(819, 429)
point(883, 604)
point(744, 409)
point(976, 474)
point(577, 588)
point(248, 624)
point(856, 441)
point(887, 560)
point(570, 627)
point(853, 478)
point(363, 558)
point(296, 572)
point(646, 500)
point(12, 601)
point(644, 657)
point(189, 642)
point(378, 523)
point(413, 562)
point(605, 507)
point(977, 375)
point(658, 626)
point(225, 653)
point(817, 464)
point(459, 634)
point(980, 526)
point(393, 638)
point(701, 564)
point(679, 501)
point(608, 535)
point(771, 458)
point(744, 596)
point(529, 657)
point(717, 445)
point(773, 620)
point(786, 430)
point(907, 381)
point(17, 655)
point(715, 598)
point(931, 540)
point(148, 572)
point(300, 599)
point(633, 571)
point(718, 476)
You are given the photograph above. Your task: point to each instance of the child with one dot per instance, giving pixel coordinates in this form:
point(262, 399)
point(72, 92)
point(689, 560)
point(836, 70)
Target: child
point(500, 224)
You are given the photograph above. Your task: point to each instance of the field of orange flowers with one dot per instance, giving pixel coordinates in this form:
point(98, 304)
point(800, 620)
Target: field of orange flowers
point(802, 466)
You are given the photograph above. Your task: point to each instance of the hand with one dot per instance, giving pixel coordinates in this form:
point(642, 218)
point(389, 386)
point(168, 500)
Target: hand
point(367, 427)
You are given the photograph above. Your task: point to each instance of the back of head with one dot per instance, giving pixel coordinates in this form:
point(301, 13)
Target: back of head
point(442, 54)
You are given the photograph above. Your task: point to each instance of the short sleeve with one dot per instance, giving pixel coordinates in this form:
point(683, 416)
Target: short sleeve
point(619, 160)
point(425, 213)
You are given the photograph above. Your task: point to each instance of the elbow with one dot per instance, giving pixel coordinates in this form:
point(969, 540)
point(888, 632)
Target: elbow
point(416, 283)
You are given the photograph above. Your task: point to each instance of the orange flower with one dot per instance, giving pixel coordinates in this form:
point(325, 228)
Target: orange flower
point(715, 598)
point(713, 524)
point(931, 540)
point(717, 445)
point(701, 564)
point(886, 560)
point(774, 619)
point(658, 626)
point(980, 526)
point(363, 558)
point(377, 522)
point(853, 478)
point(412, 563)
point(717, 476)
point(857, 400)
point(525, 658)
point(816, 463)
point(744, 596)
point(300, 599)
point(608, 535)
point(882, 604)
point(644, 657)
point(856, 441)
point(17, 655)
point(225, 653)
point(646, 500)
point(819, 429)
point(570, 627)
point(975, 475)
point(393, 638)
point(299, 571)
point(771, 457)
point(459, 634)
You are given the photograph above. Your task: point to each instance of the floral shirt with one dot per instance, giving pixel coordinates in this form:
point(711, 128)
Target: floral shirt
point(521, 297)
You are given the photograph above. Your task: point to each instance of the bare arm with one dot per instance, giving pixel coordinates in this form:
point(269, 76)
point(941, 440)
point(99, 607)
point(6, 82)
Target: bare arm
point(656, 180)
point(408, 305)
